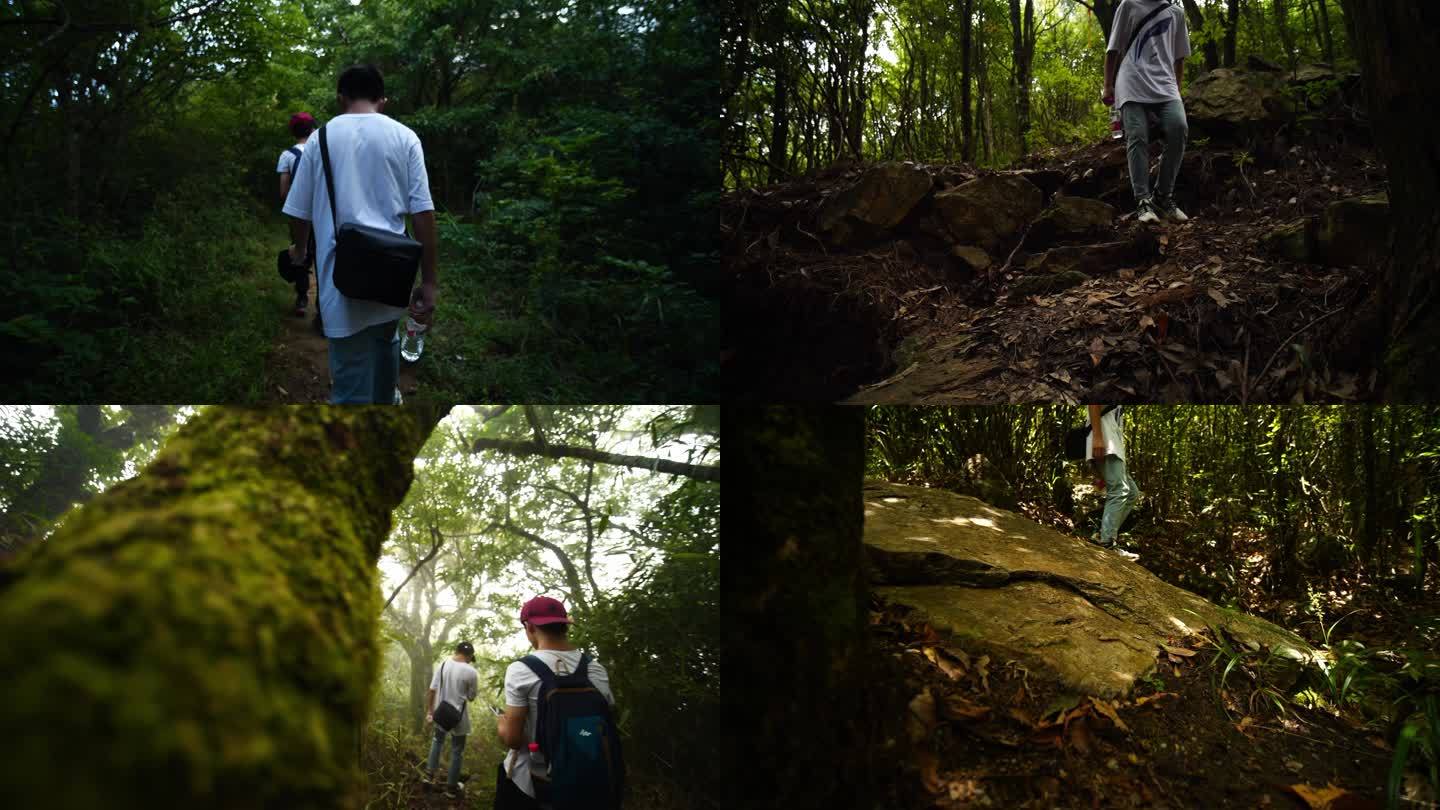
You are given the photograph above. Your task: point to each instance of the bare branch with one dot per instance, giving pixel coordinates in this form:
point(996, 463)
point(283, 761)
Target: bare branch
point(702, 472)
point(434, 549)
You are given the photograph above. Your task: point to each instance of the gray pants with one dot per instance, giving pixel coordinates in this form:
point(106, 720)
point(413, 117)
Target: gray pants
point(1121, 495)
point(1137, 144)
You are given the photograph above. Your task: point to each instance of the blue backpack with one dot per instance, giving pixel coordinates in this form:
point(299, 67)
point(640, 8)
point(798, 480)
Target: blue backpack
point(578, 738)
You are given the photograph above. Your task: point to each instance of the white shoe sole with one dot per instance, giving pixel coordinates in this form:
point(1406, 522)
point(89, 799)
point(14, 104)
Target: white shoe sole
point(1147, 218)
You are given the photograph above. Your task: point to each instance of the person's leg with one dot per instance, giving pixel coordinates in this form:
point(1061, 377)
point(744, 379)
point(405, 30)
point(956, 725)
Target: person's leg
point(352, 369)
point(1137, 148)
point(1134, 496)
point(510, 797)
point(1117, 499)
point(386, 348)
point(1176, 129)
point(434, 761)
point(457, 752)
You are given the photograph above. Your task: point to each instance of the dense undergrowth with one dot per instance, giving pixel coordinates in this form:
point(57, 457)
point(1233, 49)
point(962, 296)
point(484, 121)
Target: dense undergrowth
point(178, 311)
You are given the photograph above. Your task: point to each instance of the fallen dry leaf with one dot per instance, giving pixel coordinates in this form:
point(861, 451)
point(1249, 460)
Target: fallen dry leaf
point(941, 660)
point(1157, 696)
point(1105, 708)
point(922, 719)
point(1181, 651)
point(1319, 798)
point(958, 708)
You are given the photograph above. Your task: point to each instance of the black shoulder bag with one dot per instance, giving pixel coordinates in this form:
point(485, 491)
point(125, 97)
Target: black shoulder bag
point(371, 264)
point(446, 715)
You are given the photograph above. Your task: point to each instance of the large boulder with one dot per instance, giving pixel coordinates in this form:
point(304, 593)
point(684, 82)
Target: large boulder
point(881, 199)
point(1293, 240)
point(1071, 218)
point(1355, 230)
point(1230, 101)
point(1019, 591)
point(1098, 259)
point(1351, 231)
point(988, 211)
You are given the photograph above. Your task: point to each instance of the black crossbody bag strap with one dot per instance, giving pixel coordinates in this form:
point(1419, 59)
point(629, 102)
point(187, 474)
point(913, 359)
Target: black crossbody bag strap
point(1136, 34)
point(330, 189)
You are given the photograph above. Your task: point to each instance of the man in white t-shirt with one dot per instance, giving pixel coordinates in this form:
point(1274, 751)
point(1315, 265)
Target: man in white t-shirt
point(378, 168)
point(455, 682)
point(547, 628)
point(1107, 459)
point(1144, 63)
point(301, 125)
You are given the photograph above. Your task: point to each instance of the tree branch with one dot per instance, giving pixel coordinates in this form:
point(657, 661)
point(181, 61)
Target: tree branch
point(434, 549)
point(533, 417)
point(701, 472)
point(572, 574)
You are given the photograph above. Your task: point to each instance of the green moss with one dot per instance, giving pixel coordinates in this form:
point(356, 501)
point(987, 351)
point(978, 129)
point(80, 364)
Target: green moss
point(205, 632)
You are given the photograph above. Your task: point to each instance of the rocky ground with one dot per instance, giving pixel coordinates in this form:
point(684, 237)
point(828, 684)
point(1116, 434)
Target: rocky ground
point(908, 282)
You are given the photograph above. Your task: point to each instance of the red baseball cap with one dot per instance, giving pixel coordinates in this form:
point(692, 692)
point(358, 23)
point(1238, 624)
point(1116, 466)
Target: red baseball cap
point(302, 118)
point(543, 610)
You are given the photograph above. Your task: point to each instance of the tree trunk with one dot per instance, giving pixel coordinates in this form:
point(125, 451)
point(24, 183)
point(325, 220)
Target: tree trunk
point(1371, 532)
point(422, 669)
point(216, 615)
point(780, 116)
point(967, 32)
point(1105, 15)
point(796, 618)
point(1023, 41)
point(1395, 41)
point(1232, 27)
point(1324, 30)
point(1282, 26)
point(1197, 24)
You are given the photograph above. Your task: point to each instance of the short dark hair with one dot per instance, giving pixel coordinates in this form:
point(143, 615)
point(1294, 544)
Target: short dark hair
point(465, 648)
point(554, 629)
point(362, 81)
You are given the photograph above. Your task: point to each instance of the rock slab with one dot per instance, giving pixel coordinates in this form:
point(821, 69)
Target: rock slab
point(999, 582)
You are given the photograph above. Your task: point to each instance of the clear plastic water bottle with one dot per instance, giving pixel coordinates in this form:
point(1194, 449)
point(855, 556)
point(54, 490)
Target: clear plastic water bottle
point(538, 768)
point(1117, 129)
point(412, 338)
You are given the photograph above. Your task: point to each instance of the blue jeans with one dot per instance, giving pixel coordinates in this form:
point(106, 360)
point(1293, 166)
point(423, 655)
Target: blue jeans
point(457, 751)
point(365, 366)
point(1121, 495)
point(1137, 144)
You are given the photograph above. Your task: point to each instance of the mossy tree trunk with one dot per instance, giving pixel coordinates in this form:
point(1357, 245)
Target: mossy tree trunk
point(797, 661)
point(204, 634)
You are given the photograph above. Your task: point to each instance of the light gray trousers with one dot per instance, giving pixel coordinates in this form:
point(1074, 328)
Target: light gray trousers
point(1137, 144)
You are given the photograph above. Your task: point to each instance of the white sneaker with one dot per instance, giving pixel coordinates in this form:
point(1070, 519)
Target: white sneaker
point(1167, 207)
point(1131, 556)
point(1148, 213)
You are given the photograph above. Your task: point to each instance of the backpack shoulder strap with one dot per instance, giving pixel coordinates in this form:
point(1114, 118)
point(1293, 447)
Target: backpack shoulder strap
point(543, 672)
point(330, 187)
point(583, 668)
point(1136, 33)
point(294, 150)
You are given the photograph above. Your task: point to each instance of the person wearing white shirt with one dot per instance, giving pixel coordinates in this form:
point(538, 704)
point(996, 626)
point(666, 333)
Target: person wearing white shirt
point(1107, 459)
point(378, 169)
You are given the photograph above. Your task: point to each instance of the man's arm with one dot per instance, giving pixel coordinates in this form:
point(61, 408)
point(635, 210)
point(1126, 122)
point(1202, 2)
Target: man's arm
point(510, 727)
point(1112, 67)
point(1097, 443)
point(424, 225)
point(299, 246)
point(284, 186)
point(430, 706)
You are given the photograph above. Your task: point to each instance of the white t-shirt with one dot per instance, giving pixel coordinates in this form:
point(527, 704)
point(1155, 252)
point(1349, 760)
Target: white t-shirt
point(287, 159)
point(522, 688)
point(1148, 73)
point(457, 686)
point(379, 172)
point(1112, 425)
